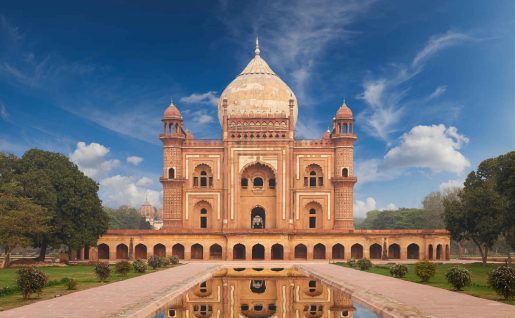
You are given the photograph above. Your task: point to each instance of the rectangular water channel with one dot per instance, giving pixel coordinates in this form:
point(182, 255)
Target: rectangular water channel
point(262, 292)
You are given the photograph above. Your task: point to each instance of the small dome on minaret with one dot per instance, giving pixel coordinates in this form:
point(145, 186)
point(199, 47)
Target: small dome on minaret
point(172, 112)
point(344, 112)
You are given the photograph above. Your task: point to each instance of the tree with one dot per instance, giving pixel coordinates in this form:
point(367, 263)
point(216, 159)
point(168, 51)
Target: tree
point(505, 185)
point(402, 219)
point(476, 214)
point(20, 219)
point(76, 215)
point(126, 218)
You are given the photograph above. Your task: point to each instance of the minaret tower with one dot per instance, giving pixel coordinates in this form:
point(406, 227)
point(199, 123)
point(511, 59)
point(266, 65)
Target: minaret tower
point(173, 176)
point(343, 137)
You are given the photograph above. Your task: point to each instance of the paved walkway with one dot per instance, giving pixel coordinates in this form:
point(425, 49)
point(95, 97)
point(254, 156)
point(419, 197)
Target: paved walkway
point(120, 299)
point(392, 297)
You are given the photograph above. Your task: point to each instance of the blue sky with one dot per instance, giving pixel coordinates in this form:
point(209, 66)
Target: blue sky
point(431, 83)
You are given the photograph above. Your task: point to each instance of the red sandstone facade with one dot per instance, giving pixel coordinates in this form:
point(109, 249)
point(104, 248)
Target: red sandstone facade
point(260, 194)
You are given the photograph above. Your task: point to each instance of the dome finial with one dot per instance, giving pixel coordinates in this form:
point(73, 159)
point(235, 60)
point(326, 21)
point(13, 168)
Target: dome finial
point(257, 51)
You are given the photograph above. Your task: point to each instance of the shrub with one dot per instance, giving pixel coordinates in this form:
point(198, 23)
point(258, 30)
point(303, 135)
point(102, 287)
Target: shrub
point(351, 262)
point(139, 266)
point(70, 283)
point(122, 268)
point(164, 261)
point(364, 264)
point(458, 277)
point(425, 270)
point(31, 280)
point(102, 270)
point(502, 280)
point(153, 261)
point(398, 270)
point(174, 259)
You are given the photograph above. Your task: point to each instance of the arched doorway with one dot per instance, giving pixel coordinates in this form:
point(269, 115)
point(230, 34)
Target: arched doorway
point(178, 250)
point(103, 251)
point(277, 251)
point(238, 251)
point(413, 251)
point(319, 251)
point(356, 251)
point(338, 251)
point(375, 251)
point(257, 218)
point(215, 252)
point(160, 250)
point(140, 251)
point(258, 252)
point(122, 252)
point(430, 252)
point(197, 251)
point(439, 251)
point(301, 252)
point(394, 251)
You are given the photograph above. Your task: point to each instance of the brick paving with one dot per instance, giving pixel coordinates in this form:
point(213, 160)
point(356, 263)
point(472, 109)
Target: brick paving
point(125, 298)
point(392, 297)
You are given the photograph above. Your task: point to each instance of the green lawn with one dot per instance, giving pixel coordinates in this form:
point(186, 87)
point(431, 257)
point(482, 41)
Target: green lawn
point(479, 273)
point(84, 274)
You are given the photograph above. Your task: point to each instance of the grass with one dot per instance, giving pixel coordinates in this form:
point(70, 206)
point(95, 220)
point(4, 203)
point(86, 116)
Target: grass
point(83, 274)
point(478, 288)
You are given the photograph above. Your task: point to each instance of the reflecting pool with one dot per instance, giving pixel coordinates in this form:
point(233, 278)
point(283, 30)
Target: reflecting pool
point(263, 292)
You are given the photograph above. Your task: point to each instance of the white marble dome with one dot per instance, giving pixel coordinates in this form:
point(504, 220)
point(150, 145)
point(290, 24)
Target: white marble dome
point(257, 90)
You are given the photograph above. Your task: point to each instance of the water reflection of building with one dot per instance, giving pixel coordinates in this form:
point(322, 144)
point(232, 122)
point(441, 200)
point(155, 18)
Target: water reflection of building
point(260, 293)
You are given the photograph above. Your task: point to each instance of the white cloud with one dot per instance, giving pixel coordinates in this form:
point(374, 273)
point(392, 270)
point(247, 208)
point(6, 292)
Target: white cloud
point(208, 98)
point(119, 190)
point(436, 44)
point(439, 91)
point(135, 160)
point(91, 159)
point(3, 112)
point(361, 208)
point(387, 96)
point(450, 184)
point(434, 147)
point(202, 117)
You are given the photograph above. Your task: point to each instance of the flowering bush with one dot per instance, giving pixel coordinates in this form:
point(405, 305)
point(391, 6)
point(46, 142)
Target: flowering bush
point(154, 262)
point(102, 270)
point(174, 259)
point(502, 280)
point(122, 268)
point(425, 270)
point(398, 270)
point(458, 277)
point(31, 280)
point(364, 264)
point(139, 266)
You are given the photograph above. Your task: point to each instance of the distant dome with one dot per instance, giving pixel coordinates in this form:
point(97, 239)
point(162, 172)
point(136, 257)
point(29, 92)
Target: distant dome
point(172, 112)
point(159, 214)
point(147, 210)
point(344, 112)
point(258, 90)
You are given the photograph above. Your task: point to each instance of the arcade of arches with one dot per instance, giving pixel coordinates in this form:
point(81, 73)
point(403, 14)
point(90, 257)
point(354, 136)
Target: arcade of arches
point(258, 192)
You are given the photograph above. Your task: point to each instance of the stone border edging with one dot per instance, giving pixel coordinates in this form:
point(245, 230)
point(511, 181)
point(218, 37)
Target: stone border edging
point(378, 303)
point(151, 307)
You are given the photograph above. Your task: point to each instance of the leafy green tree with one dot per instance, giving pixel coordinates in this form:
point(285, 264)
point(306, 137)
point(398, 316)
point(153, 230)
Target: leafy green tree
point(20, 219)
point(476, 214)
point(54, 182)
point(402, 219)
point(505, 185)
point(126, 218)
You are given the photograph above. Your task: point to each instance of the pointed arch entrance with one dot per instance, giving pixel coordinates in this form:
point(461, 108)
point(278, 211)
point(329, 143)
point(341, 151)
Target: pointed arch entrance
point(277, 252)
point(258, 252)
point(301, 252)
point(178, 250)
point(238, 251)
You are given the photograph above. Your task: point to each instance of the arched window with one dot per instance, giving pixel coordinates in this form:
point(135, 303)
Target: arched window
point(312, 219)
point(257, 218)
point(258, 182)
point(203, 218)
point(202, 176)
point(171, 173)
point(271, 183)
point(244, 183)
point(345, 172)
point(313, 176)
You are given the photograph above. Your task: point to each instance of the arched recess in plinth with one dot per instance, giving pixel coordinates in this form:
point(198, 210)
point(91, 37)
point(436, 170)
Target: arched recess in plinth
point(277, 252)
point(338, 251)
point(215, 252)
point(103, 251)
point(258, 252)
point(439, 252)
point(197, 251)
point(238, 252)
point(140, 251)
point(301, 252)
point(413, 251)
point(356, 251)
point(319, 251)
point(375, 251)
point(178, 250)
point(394, 251)
point(160, 250)
point(122, 251)
point(430, 252)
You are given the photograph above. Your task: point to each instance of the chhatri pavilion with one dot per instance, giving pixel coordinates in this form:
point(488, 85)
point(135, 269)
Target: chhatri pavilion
point(260, 194)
